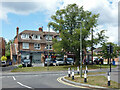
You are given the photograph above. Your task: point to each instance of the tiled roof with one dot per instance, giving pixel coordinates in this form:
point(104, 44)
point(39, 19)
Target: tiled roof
point(30, 32)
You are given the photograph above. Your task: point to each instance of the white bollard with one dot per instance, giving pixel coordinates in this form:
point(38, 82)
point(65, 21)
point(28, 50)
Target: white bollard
point(26, 64)
point(73, 74)
point(86, 69)
point(78, 70)
point(85, 76)
point(68, 72)
point(108, 78)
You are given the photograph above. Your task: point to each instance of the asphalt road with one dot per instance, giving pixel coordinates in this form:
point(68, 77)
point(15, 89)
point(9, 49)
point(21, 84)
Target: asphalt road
point(33, 80)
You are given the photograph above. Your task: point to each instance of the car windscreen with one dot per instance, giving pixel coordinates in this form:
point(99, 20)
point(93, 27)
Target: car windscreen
point(69, 59)
point(3, 62)
point(26, 60)
point(59, 59)
point(47, 59)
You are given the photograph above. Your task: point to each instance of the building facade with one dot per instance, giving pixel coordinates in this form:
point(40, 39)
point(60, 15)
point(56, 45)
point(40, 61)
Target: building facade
point(33, 45)
point(2, 47)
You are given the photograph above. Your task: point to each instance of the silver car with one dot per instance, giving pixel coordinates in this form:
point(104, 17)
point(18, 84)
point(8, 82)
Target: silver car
point(48, 62)
point(60, 61)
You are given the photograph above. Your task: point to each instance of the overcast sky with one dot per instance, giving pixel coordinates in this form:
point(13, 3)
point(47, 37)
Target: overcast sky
point(35, 13)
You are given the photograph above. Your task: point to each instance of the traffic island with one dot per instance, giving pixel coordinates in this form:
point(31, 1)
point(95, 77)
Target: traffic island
point(92, 82)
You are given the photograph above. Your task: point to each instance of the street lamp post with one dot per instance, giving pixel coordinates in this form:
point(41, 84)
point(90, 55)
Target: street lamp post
point(48, 46)
point(80, 49)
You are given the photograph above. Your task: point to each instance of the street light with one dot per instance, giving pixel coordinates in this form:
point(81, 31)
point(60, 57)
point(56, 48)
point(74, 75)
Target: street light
point(79, 22)
point(48, 47)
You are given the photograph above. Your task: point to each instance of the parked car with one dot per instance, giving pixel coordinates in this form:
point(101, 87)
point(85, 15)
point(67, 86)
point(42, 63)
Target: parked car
point(3, 63)
point(26, 63)
point(96, 61)
point(48, 61)
point(101, 61)
point(60, 61)
point(70, 61)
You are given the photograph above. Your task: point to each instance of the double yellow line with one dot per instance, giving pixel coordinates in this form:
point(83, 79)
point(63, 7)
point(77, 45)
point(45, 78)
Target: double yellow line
point(61, 81)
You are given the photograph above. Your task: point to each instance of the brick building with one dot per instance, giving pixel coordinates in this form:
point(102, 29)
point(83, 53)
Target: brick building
point(32, 45)
point(2, 47)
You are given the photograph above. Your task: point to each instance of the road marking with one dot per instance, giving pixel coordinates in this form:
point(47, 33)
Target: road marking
point(14, 78)
point(59, 80)
point(23, 85)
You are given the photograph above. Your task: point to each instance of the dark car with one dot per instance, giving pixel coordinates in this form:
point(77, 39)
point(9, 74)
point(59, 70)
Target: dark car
point(26, 63)
point(70, 61)
point(48, 61)
point(96, 61)
point(101, 61)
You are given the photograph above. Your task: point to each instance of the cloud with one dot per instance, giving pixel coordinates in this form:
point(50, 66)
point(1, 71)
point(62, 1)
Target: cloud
point(26, 8)
point(108, 10)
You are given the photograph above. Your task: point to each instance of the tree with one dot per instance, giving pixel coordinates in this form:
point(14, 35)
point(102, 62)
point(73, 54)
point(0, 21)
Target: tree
point(105, 55)
point(7, 47)
point(66, 22)
point(3, 58)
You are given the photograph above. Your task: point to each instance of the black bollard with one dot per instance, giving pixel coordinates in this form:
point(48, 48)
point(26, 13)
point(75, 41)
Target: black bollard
point(78, 70)
point(73, 74)
point(108, 78)
point(85, 76)
point(86, 69)
point(68, 72)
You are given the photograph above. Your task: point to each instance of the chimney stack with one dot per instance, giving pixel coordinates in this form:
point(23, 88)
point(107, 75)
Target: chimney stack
point(17, 30)
point(40, 29)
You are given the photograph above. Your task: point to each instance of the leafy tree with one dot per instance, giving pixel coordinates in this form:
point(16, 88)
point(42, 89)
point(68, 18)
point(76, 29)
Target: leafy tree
point(66, 22)
point(105, 55)
point(7, 47)
point(3, 58)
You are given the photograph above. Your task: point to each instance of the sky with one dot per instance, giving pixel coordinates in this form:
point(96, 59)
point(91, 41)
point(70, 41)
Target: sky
point(32, 14)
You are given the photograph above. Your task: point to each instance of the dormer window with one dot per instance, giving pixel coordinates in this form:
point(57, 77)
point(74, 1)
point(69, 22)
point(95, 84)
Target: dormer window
point(48, 38)
point(58, 38)
point(25, 36)
point(36, 37)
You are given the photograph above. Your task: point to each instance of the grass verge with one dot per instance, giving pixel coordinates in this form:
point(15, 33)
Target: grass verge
point(57, 68)
point(96, 80)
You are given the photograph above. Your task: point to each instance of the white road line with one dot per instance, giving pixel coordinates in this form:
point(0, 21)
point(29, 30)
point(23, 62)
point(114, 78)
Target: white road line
point(23, 85)
point(14, 78)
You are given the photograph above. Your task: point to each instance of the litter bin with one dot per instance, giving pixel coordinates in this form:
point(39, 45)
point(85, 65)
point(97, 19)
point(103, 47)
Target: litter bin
point(113, 62)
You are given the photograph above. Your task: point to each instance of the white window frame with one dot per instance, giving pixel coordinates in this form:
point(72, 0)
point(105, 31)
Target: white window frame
point(58, 38)
point(34, 37)
point(49, 47)
point(25, 36)
point(48, 38)
point(36, 45)
point(25, 45)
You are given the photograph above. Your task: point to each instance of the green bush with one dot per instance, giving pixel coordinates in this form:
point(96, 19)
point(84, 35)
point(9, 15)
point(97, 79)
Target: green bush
point(3, 58)
point(20, 66)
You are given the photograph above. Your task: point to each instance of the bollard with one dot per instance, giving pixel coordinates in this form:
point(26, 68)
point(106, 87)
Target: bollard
point(73, 74)
point(86, 69)
point(85, 76)
point(108, 78)
point(68, 72)
point(78, 70)
point(26, 64)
